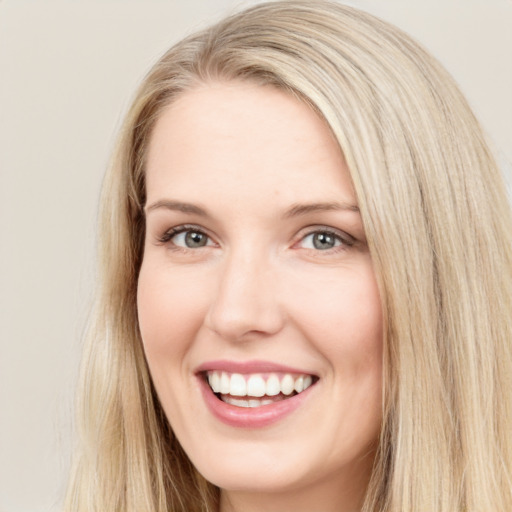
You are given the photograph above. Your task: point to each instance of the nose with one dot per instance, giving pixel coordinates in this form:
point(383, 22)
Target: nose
point(246, 303)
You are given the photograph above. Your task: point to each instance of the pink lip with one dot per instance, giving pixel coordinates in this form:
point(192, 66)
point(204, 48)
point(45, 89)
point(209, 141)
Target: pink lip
point(245, 417)
point(255, 366)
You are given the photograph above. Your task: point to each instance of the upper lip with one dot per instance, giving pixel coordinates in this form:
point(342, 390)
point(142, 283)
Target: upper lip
point(245, 367)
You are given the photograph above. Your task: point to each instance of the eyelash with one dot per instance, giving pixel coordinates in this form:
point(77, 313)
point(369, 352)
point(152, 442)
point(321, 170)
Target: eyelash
point(171, 233)
point(346, 240)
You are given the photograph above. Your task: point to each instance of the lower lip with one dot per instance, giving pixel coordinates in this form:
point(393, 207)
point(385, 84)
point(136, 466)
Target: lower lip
point(251, 417)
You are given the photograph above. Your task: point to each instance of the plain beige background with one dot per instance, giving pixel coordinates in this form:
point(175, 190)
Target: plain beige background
point(67, 72)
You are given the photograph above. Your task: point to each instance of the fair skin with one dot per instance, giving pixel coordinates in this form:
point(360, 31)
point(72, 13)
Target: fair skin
point(256, 264)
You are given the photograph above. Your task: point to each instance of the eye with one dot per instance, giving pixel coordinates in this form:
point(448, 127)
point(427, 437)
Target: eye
point(187, 238)
point(323, 240)
point(190, 239)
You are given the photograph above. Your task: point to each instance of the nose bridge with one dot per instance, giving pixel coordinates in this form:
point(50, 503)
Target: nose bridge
point(246, 300)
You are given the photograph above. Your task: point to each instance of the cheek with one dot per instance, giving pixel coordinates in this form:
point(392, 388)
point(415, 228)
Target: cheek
point(344, 316)
point(169, 310)
point(343, 319)
point(349, 334)
point(170, 313)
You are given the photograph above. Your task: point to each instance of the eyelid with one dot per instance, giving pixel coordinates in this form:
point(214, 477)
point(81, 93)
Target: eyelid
point(347, 240)
point(170, 233)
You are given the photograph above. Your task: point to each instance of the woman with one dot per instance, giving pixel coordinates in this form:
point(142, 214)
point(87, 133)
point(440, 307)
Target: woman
point(306, 282)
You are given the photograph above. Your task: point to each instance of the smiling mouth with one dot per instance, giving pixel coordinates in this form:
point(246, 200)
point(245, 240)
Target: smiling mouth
point(257, 390)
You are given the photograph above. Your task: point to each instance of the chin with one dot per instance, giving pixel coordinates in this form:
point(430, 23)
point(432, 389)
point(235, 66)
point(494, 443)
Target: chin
point(253, 479)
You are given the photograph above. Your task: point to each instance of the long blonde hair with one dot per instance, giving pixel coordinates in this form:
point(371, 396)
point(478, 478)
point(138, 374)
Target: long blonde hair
point(439, 229)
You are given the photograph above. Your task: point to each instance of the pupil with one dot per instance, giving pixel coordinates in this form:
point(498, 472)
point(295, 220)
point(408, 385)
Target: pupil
point(195, 239)
point(323, 241)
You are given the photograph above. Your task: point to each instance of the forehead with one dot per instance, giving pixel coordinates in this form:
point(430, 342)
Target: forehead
point(248, 139)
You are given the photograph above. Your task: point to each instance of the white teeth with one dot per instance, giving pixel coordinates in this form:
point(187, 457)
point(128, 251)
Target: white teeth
point(299, 384)
point(214, 381)
point(224, 383)
point(287, 385)
point(254, 402)
point(238, 386)
point(256, 385)
point(239, 402)
point(244, 402)
point(273, 386)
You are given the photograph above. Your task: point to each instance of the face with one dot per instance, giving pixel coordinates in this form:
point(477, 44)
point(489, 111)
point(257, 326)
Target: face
point(257, 301)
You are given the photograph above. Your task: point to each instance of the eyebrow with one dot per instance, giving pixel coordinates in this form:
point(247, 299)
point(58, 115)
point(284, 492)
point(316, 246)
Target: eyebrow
point(303, 209)
point(177, 206)
point(296, 210)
